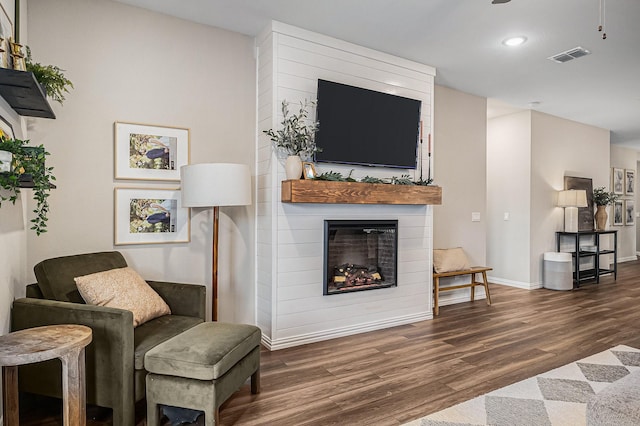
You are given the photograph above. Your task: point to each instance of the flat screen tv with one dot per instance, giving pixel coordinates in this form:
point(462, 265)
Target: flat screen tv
point(365, 127)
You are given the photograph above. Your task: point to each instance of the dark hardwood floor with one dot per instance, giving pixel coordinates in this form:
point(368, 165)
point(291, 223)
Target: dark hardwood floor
point(396, 375)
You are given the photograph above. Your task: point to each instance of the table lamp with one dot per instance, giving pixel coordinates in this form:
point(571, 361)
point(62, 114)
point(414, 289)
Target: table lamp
point(215, 185)
point(571, 199)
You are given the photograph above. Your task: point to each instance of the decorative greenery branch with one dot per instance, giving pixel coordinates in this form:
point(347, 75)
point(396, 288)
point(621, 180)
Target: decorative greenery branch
point(402, 180)
point(603, 198)
point(297, 136)
point(50, 77)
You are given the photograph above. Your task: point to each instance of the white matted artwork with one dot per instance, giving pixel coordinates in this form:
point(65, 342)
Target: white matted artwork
point(618, 213)
point(629, 212)
point(629, 181)
point(149, 152)
point(150, 216)
point(6, 34)
point(617, 181)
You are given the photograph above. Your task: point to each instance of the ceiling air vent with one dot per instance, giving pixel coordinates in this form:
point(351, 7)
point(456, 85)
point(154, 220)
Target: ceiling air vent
point(568, 55)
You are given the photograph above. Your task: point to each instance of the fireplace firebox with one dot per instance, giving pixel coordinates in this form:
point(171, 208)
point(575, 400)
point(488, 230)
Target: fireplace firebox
point(360, 255)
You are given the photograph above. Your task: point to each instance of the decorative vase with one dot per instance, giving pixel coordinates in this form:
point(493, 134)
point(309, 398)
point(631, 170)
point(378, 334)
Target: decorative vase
point(293, 167)
point(601, 218)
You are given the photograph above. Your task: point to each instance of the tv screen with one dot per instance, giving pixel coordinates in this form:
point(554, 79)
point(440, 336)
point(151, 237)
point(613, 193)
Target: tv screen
point(365, 127)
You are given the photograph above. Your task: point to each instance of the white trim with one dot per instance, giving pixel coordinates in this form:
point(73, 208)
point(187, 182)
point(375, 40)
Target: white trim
point(629, 258)
point(517, 284)
point(303, 339)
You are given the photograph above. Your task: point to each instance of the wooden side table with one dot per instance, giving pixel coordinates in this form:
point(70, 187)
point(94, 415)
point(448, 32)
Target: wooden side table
point(66, 342)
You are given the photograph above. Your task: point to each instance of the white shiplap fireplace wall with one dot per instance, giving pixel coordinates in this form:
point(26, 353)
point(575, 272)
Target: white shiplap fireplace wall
point(291, 309)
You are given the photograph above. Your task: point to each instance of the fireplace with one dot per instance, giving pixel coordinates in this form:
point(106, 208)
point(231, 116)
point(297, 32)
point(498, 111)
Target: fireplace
point(360, 255)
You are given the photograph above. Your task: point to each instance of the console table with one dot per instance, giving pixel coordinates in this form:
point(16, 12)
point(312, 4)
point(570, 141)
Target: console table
point(588, 245)
point(66, 342)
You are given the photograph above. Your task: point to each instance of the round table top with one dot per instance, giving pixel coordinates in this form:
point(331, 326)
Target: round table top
point(42, 343)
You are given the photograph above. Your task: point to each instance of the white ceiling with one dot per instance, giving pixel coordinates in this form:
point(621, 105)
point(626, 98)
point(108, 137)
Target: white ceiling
point(462, 40)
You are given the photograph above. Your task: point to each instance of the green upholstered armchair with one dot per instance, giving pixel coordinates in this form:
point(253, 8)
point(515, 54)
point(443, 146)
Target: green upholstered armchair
point(115, 358)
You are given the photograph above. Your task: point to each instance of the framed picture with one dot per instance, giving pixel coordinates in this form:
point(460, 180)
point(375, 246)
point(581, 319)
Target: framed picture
point(308, 170)
point(617, 181)
point(150, 152)
point(6, 34)
point(6, 129)
point(629, 212)
point(585, 214)
point(150, 216)
point(618, 213)
point(629, 181)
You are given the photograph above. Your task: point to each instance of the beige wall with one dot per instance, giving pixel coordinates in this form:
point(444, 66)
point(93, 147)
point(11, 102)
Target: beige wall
point(508, 193)
point(129, 64)
point(624, 158)
point(460, 128)
point(529, 153)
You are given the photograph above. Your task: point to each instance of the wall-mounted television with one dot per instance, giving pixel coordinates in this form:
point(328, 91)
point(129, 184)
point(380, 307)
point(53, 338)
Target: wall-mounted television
point(364, 127)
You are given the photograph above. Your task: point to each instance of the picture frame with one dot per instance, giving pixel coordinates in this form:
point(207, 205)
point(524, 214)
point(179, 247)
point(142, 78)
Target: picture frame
point(629, 181)
point(150, 216)
point(629, 212)
point(617, 181)
point(585, 214)
point(618, 213)
point(308, 170)
point(150, 152)
point(6, 129)
point(6, 36)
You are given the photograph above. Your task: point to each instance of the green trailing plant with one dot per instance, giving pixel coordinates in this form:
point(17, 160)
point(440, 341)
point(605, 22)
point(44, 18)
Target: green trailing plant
point(394, 180)
point(332, 176)
point(50, 77)
point(27, 168)
point(298, 134)
point(601, 197)
point(369, 179)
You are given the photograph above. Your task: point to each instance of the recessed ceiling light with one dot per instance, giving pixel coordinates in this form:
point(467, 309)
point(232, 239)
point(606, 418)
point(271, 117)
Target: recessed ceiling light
point(514, 41)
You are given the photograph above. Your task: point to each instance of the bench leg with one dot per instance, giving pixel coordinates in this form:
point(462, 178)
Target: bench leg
point(486, 287)
point(473, 287)
point(436, 290)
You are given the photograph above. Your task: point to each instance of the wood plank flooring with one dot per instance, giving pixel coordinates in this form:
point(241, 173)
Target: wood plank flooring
point(393, 376)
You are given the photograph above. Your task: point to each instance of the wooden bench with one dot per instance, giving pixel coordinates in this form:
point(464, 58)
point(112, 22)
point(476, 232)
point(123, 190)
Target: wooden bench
point(471, 271)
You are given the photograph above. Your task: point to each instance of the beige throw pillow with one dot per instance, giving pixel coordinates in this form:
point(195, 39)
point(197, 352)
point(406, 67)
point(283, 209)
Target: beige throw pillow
point(447, 260)
point(123, 288)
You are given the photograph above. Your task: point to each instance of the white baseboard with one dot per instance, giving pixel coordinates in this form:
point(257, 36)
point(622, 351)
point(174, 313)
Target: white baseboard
point(517, 284)
point(628, 259)
point(303, 339)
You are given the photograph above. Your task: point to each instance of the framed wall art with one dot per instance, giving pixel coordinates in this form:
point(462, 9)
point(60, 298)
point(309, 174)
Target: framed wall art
point(629, 181)
point(618, 213)
point(617, 181)
point(150, 152)
point(150, 216)
point(585, 214)
point(629, 212)
point(6, 34)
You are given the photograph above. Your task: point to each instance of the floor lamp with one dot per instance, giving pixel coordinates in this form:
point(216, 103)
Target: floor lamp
point(215, 185)
point(571, 199)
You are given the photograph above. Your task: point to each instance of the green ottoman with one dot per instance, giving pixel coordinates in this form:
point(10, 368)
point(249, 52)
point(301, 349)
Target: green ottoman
point(201, 367)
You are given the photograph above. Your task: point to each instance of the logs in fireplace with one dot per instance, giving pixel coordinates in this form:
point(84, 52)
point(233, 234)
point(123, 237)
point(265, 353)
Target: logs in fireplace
point(360, 255)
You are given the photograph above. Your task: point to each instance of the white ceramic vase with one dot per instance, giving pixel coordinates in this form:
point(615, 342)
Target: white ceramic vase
point(293, 167)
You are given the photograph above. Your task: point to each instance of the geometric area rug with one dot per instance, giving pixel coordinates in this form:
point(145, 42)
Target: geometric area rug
point(555, 398)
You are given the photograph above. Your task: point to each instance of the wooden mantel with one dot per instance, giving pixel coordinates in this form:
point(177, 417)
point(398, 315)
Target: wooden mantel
point(330, 192)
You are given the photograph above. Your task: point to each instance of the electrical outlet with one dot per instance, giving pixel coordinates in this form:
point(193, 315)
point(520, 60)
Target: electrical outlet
point(506, 215)
point(475, 216)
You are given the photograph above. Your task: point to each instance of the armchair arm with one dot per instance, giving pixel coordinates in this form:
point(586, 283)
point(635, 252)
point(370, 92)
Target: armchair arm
point(109, 357)
point(183, 299)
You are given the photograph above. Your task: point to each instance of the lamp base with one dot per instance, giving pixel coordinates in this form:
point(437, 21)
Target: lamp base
point(570, 219)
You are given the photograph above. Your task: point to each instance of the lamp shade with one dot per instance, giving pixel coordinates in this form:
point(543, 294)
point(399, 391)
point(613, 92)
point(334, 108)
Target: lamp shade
point(215, 184)
point(572, 198)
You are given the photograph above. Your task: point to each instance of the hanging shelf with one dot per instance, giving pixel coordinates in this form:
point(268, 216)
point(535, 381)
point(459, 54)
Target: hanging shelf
point(24, 94)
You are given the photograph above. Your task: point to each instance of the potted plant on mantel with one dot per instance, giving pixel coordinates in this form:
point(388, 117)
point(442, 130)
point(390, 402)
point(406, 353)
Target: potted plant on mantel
point(296, 139)
point(602, 199)
point(26, 169)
